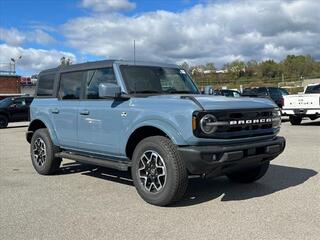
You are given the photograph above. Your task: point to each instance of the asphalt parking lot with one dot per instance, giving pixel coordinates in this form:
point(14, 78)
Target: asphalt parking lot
point(86, 202)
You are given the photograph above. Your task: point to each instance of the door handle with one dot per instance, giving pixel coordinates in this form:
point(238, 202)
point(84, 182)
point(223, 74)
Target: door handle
point(84, 112)
point(55, 110)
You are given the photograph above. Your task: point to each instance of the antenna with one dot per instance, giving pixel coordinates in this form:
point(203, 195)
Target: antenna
point(134, 52)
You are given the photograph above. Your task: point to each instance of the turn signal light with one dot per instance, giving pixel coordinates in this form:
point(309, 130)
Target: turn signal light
point(194, 123)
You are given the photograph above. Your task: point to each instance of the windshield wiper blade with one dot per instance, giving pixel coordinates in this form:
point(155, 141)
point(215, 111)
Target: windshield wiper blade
point(146, 91)
point(186, 92)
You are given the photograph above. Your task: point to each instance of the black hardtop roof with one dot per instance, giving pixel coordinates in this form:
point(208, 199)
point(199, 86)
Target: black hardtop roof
point(79, 67)
point(101, 64)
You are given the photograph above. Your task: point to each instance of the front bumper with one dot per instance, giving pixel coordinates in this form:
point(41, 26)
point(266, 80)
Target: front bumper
point(220, 159)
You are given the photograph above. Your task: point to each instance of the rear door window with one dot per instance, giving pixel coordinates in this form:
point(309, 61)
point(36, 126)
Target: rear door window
point(19, 102)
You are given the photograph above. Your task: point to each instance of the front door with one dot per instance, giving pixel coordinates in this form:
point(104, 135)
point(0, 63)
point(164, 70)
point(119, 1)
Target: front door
point(18, 110)
point(99, 120)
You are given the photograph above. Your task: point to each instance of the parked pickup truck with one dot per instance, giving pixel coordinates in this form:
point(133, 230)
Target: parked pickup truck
point(303, 105)
point(150, 119)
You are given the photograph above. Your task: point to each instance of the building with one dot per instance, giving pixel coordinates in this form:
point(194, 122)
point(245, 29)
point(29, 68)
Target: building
point(9, 81)
point(9, 84)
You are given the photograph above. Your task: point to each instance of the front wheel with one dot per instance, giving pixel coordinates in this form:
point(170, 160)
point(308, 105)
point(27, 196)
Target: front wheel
point(295, 120)
point(159, 174)
point(3, 121)
point(43, 153)
point(249, 175)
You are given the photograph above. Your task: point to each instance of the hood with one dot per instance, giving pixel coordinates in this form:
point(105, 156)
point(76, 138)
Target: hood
point(221, 102)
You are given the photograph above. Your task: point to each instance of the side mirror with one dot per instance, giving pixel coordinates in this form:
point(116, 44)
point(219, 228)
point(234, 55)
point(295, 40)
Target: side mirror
point(109, 90)
point(208, 90)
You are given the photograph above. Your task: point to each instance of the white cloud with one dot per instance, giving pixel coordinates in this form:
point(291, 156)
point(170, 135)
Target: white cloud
point(41, 37)
point(12, 36)
point(215, 31)
point(108, 5)
point(33, 60)
point(15, 37)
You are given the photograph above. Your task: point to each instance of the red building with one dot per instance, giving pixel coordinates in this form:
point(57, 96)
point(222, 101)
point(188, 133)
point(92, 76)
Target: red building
point(9, 84)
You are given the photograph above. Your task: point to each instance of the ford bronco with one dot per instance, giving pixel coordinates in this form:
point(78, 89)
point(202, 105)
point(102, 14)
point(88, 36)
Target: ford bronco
point(150, 119)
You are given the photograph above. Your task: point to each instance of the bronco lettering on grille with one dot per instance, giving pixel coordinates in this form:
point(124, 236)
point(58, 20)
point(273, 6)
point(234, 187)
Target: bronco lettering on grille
point(250, 121)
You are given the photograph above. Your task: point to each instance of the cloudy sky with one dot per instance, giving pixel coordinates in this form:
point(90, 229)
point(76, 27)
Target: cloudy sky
point(42, 31)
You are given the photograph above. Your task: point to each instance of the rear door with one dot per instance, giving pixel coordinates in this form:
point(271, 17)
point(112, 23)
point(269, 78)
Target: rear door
point(99, 120)
point(65, 115)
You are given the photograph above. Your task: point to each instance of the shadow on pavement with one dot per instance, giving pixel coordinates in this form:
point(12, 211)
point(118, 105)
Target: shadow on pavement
point(75, 167)
point(313, 123)
point(278, 178)
point(112, 175)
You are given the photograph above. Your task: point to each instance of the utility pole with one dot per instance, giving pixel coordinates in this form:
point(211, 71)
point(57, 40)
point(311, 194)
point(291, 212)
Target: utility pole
point(14, 61)
point(134, 52)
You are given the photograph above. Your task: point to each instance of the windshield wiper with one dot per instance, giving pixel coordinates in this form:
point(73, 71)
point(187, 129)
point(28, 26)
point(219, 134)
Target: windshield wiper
point(178, 92)
point(146, 91)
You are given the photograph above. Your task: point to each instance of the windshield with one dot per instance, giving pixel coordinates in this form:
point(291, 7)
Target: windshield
point(5, 102)
point(313, 89)
point(157, 80)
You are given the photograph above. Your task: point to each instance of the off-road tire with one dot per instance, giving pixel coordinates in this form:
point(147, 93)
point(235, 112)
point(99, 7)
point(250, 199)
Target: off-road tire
point(249, 175)
point(3, 121)
point(295, 120)
point(51, 163)
point(176, 171)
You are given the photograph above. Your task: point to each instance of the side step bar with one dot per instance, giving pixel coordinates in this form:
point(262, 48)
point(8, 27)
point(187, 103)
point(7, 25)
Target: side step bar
point(103, 162)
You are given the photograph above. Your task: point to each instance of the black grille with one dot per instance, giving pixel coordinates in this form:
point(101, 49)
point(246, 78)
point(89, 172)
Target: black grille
point(238, 130)
point(235, 116)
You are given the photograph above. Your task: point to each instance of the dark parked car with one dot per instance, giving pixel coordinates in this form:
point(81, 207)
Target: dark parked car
point(274, 93)
point(14, 109)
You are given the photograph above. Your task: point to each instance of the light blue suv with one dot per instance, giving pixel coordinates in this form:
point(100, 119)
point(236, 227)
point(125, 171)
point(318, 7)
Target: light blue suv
point(151, 119)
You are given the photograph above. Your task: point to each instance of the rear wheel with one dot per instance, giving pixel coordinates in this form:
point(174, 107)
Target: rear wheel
point(3, 121)
point(249, 175)
point(159, 174)
point(43, 153)
point(295, 120)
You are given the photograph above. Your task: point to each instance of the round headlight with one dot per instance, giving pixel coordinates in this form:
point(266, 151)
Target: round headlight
point(207, 124)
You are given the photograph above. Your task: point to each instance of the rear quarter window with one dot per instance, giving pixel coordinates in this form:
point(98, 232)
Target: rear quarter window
point(45, 85)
